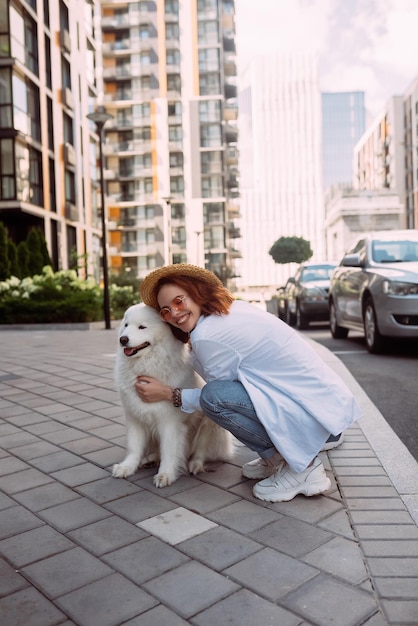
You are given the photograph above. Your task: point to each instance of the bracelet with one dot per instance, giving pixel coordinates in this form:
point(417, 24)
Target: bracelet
point(176, 397)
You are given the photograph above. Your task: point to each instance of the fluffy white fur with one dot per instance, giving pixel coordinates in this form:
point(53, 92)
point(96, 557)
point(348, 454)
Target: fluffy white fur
point(158, 431)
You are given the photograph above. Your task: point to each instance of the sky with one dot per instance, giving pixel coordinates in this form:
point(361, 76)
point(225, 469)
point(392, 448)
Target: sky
point(361, 45)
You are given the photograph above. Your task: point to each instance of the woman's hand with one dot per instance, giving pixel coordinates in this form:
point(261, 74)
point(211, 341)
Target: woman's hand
point(152, 390)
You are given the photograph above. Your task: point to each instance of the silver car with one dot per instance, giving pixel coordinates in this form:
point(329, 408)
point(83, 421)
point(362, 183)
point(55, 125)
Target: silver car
point(374, 290)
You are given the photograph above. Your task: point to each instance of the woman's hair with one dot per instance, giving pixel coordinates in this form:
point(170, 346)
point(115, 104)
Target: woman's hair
point(212, 299)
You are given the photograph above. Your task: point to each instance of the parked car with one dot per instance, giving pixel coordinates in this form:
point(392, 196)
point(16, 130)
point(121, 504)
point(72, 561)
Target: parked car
point(374, 290)
point(304, 298)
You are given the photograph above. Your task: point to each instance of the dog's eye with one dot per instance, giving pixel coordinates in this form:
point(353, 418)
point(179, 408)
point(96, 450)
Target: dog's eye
point(142, 327)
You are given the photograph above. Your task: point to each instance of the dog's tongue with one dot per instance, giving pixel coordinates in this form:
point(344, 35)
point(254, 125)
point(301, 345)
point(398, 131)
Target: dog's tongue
point(130, 351)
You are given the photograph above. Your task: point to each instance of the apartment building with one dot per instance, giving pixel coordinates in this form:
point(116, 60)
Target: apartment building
point(48, 57)
point(343, 123)
point(170, 149)
point(280, 163)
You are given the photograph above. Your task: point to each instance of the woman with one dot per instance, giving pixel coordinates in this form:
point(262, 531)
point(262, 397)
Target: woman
point(264, 382)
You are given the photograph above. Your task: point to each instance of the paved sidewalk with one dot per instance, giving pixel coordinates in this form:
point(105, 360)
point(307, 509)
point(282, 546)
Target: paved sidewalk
point(80, 547)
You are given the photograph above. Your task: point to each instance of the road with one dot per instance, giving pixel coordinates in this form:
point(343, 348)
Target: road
point(390, 380)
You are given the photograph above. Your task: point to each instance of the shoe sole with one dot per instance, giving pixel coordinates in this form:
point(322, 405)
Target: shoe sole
point(259, 476)
point(312, 489)
point(332, 444)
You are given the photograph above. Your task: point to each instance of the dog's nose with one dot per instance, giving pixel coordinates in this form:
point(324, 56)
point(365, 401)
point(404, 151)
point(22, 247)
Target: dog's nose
point(124, 340)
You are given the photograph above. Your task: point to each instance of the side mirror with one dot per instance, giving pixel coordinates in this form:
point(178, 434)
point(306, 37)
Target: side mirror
point(352, 260)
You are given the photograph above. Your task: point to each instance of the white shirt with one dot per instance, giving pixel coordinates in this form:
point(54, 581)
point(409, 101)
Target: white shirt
point(297, 397)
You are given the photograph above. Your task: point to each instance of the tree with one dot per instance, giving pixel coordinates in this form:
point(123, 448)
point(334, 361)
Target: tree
point(23, 257)
point(12, 254)
point(291, 250)
point(36, 259)
point(4, 259)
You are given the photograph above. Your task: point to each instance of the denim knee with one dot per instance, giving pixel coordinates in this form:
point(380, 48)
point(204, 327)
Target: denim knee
point(206, 396)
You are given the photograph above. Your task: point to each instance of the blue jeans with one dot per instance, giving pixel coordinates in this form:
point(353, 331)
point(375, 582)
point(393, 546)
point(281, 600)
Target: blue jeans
point(229, 405)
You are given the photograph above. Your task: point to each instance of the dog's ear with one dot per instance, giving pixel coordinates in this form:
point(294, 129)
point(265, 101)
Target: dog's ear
point(179, 334)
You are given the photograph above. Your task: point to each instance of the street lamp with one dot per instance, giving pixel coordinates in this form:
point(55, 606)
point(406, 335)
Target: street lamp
point(100, 118)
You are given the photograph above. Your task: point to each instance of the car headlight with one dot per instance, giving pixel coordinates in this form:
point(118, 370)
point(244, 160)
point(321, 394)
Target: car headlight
point(396, 288)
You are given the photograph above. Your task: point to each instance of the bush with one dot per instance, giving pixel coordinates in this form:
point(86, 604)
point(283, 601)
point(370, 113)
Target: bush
point(59, 297)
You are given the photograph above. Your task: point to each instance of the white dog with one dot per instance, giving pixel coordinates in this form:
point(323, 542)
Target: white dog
point(159, 431)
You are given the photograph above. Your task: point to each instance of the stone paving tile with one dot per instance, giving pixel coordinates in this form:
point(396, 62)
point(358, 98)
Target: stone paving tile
point(340, 557)
point(57, 461)
point(21, 481)
point(6, 502)
point(106, 457)
point(107, 535)
point(323, 600)
point(34, 450)
point(397, 588)
point(14, 439)
point(244, 517)
point(393, 566)
point(319, 508)
point(376, 504)
point(176, 525)
point(387, 531)
point(34, 545)
point(338, 523)
point(140, 506)
point(159, 616)
point(110, 601)
point(108, 489)
point(204, 498)
point(62, 436)
point(401, 612)
point(31, 608)
point(90, 423)
point(292, 536)
point(10, 580)
point(64, 572)
point(74, 514)
point(11, 465)
point(388, 547)
point(81, 474)
point(381, 517)
point(43, 497)
point(271, 574)
point(86, 444)
point(245, 608)
point(190, 588)
point(145, 559)
point(219, 548)
point(44, 427)
point(143, 478)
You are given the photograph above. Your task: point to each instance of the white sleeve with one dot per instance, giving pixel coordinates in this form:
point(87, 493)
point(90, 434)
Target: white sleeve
point(217, 360)
point(190, 400)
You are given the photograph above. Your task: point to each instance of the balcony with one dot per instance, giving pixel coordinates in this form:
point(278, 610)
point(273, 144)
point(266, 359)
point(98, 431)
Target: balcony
point(65, 40)
point(69, 154)
point(67, 97)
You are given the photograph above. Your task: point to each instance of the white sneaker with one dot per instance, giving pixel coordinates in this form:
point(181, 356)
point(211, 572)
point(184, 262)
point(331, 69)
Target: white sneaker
point(285, 484)
point(261, 468)
point(333, 441)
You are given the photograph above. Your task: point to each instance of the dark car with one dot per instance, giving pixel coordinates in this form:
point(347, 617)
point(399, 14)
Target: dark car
point(304, 298)
point(374, 290)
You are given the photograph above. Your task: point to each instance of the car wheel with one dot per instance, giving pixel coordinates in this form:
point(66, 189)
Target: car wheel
point(338, 332)
point(302, 321)
point(290, 318)
point(374, 340)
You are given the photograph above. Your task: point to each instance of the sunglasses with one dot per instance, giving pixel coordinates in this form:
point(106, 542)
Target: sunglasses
point(177, 304)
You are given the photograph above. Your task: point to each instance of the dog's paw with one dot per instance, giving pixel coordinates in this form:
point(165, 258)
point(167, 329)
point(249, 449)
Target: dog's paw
point(163, 480)
point(196, 466)
point(120, 470)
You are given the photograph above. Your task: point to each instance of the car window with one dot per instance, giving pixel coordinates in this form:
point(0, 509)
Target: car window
point(394, 251)
point(316, 273)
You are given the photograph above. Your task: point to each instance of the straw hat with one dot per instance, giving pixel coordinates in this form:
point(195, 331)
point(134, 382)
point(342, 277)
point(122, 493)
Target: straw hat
point(148, 287)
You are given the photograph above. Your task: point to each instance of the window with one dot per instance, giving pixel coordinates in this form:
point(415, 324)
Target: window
point(211, 162)
point(210, 84)
point(213, 212)
point(69, 186)
point(172, 7)
point(174, 83)
point(68, 129)
point(209, 60)
point(174, 109)
point(210, 111)
point(24, 39)
point(175, 133)
point(7, 170)
point(172, 32)
point(210, 135)
point(26, 110)
point(212, 186)
point(178, 236)
point(176, 184)
point(50, 122)
point(144, 31)
point(5, 98)
point(176, 159)
point(48, 72)
point(178, 211)
point(173, 57)
point(208, 33)
point(66, 73)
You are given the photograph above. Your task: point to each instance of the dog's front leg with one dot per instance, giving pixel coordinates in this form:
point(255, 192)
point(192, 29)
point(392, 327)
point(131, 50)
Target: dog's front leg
point(137, 438)
point(172, 453)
